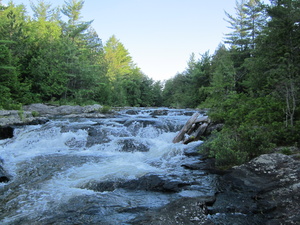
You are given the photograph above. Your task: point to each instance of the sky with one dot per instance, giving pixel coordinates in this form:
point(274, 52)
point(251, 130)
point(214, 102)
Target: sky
point(160, 35)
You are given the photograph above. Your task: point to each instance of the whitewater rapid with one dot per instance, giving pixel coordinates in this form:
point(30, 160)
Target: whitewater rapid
point(78, 168)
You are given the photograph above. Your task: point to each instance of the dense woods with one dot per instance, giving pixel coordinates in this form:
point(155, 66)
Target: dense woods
point(250, 83)
point(46, 59)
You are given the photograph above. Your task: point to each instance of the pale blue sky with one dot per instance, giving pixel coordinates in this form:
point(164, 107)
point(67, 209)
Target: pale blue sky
point(160, 35)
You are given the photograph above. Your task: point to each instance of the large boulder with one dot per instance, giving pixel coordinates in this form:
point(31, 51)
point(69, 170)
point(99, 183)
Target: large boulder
point(267, 187)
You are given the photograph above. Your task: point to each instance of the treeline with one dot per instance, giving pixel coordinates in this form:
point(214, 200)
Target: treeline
point(251, 84)
point(46, 59)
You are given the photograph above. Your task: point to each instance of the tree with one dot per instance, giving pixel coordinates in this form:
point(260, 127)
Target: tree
point(12, 35)
point(284, 32)
point(75, 27)
point(239, 37)
point(124, 76)
point(117, 58)
point(44, 11)
point(224, 79)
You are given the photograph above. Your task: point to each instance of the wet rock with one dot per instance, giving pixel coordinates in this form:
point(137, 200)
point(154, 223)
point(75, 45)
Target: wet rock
point(97, 136)
point(6, 132)
point(132, 112)
point(143, 122)
point(185, 211)
point(151, 182)
point(159, 113)
point(154, 182)
point(132, 145)
point(4, 177)
point(101, 186)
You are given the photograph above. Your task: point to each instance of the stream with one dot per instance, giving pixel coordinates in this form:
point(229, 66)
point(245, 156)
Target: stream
point(98, 171)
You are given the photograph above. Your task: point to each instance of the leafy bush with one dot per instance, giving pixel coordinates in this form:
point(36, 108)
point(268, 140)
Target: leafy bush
point(105, 109)
point(232, 147)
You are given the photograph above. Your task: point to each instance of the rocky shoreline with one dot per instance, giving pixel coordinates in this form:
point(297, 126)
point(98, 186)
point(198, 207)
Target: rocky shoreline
point(265, 190)
point(40, 113)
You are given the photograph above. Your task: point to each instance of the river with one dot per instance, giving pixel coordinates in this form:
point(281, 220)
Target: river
point(98, 171)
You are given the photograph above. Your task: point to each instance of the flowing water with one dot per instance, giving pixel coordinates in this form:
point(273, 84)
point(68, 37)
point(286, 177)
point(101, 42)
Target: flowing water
point(97, 171)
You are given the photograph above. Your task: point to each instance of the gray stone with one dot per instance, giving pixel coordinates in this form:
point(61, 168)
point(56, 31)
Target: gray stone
point(267, 187)
point(185, 211)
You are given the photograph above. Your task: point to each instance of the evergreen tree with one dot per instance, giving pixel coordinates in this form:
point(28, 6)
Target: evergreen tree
point(44, 11)
point(12, 34)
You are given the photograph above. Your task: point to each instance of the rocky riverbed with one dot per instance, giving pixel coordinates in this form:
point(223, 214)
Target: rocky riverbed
point(265, 190)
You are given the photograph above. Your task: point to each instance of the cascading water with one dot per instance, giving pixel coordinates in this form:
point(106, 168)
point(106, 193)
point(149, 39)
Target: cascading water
point(97, 171)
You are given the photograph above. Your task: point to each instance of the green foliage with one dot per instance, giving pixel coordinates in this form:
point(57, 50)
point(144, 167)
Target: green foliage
point(46, 59)
point(234, 146)
point(35, 113)
point(286, 151)
point(253, 89)
point(105, 109)
point(190, 88)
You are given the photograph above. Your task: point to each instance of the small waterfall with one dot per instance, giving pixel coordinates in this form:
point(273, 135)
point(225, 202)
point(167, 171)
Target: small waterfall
point(105, 171)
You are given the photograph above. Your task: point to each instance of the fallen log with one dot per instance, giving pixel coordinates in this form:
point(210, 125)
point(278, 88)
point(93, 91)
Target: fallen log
point(180, 136)
point(193, 129)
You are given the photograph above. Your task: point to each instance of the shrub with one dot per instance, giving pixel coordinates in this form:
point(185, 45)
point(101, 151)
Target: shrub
point(235, 146)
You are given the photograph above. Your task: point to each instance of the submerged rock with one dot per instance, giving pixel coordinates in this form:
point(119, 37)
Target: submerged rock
point(132, 145)
point(4, 177)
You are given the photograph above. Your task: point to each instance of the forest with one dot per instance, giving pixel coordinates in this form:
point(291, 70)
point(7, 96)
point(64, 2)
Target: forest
point(250, 83)
point(45, 59)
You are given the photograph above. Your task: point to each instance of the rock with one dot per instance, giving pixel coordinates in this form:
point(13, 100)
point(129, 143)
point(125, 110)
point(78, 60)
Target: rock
point(6, 132)
point(97, 136)
point(44, 109)
point(132, 112)
point(18, 117)
point(152, 182)
point(4, 177)
point(267, 187)
point(35, 114)
point(68, 109)
point(159, 112)
point(185, 211)
point(132, 145)
point(149, 182)
point(92, 108)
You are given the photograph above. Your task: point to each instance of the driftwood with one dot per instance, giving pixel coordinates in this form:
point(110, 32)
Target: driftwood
point(193, 129)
